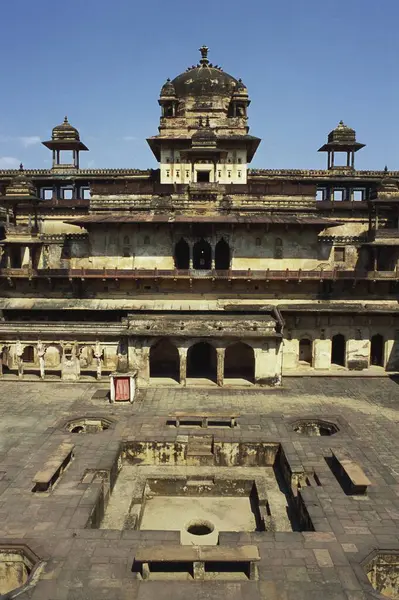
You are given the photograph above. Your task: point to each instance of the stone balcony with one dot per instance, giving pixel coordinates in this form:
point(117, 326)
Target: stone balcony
point(211, 274)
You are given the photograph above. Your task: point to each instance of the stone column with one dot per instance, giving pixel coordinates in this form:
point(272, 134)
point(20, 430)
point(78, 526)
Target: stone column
point(183, 365)
point(41, 351)
point(98, 352)
point(18, 355)
point(220, 352)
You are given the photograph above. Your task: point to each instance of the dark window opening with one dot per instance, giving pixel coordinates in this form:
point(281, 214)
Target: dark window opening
point(278, 248)
point(15, 257)
point(222, 255)
point(377, 350)
point(203, 176)
point(164, 360)
point(202, 255)
point(201, 361)
point(168, 110)
point(339, 254)
point(338, 350)
point(239, 361)
point(182, 255)
point(28, 355)
point(305, 351)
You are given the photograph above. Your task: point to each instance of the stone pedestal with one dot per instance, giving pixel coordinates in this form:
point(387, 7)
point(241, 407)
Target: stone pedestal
point(122, 386)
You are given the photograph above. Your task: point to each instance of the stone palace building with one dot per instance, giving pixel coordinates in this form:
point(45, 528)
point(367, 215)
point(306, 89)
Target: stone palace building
point(202, 268)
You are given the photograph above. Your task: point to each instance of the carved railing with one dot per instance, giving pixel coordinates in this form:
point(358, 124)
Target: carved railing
point(228, 274)
point(386, 233)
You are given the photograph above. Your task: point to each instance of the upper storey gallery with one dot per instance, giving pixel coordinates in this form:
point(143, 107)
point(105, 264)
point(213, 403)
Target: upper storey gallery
point(203, 138)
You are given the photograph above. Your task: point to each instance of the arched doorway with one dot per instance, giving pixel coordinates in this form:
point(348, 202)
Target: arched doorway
point(222, 255)
point(202, 255)
point(338, 350)
point(305, 351)
point(239, 361)
point(377, 350)
point(164, 360)
point(28, 355)
point(182, 255)
point(201, 361)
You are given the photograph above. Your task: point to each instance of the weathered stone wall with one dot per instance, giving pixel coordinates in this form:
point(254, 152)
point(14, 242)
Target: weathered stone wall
point(132, 246)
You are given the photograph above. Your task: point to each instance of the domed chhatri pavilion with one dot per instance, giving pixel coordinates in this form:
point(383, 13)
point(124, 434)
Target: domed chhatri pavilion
point(201, 270)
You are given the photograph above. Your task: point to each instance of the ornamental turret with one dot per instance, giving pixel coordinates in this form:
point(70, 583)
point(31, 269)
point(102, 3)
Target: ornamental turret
point(65, 138)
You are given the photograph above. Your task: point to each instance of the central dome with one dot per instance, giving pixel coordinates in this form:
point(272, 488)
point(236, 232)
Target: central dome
point(204, 79)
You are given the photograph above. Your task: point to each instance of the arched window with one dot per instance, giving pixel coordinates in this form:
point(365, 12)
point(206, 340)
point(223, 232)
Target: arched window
point(164, 360)
point(182, 255)
point(278, 248)
point(28, 355)
point(202, 255)
point(338, 350)
point(239, 361)
point(222, 255)
point(126, 240)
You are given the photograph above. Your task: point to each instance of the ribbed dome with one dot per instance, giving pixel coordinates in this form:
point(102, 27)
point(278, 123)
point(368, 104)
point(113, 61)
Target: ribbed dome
point(342, 133)
point(21, 186)
point(204, 79)
point(65, 131)
point(168, 89)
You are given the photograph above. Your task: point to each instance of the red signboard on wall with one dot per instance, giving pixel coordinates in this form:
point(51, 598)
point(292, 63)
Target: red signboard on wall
point(122, 389)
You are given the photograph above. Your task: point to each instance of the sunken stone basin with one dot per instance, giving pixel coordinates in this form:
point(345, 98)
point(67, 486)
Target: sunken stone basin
point(315, 427)
point(383, 574)
point(17, 565)
point(88, 425)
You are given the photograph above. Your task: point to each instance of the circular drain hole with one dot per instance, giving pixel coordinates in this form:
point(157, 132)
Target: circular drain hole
point(200, 527)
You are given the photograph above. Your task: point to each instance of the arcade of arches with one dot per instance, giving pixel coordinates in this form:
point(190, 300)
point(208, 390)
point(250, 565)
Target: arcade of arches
point(203, 361)
point(202, 255)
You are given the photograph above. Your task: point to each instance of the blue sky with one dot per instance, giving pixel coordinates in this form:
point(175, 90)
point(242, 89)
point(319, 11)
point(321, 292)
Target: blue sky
point(306, 63)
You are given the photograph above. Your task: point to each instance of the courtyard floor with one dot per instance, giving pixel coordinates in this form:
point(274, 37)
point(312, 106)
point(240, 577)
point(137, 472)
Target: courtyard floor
point(88, 564)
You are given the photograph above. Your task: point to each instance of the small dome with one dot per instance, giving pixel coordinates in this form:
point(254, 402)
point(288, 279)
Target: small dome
point(241, 89)
point(21, 186)
point(65, 132)
point(204, 79)
point(388, 186)
point(342, 133)
point(168, 89)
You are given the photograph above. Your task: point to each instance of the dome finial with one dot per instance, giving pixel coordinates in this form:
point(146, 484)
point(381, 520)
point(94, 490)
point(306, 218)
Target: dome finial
point(204, 55)
point(21, 167)
point(65, 119)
